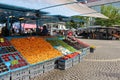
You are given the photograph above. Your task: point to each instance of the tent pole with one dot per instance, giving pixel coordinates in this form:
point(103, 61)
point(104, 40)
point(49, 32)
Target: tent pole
point(20, 27)
point(37, 25)
point(7, 25)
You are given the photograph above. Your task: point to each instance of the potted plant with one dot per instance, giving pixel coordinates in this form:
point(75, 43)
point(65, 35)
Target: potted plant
point(92, 48)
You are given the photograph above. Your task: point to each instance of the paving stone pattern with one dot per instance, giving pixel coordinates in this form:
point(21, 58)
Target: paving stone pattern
point(104, 64)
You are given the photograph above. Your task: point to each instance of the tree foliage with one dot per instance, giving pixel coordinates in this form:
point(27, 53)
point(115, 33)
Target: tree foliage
point(114, 16)
point(74, 24)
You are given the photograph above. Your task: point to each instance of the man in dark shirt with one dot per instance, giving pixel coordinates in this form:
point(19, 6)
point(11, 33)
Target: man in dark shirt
point(44, 31)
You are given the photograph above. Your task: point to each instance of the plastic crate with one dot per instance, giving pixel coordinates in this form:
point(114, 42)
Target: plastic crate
point(36, 67)
point(49, 62)
point(27, 77)
point(63, 67)
point(76, 60)
point(63, 50)
point(49, 68)
point(23, 78)
point(36, 73)
point(19, 73)
point(84, 51)
point(81, 57)
point(64, 62)
point(3, 68)
point(5, 77)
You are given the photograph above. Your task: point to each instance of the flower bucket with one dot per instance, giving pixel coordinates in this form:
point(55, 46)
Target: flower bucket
point(92, 50)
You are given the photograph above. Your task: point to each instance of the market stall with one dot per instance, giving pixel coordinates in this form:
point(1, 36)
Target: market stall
point(25, 57)
point(28, 57)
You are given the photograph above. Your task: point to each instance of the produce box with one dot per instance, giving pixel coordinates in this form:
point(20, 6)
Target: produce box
point(23, 78)
point(20, 73)
point(4, 71)
point(63, 67)
point(7, 49)
point(76, 59)
point(64, 64)
point(3, 68)
point(36, 67)
point(49, 62)
point(76, 43)
point(36, 73)
point(14, 59)
point(63, 50)
point(68, 60)
point(26, 77)
point(57, 42)
point(4, 42)
point(84, 52)
point(49, 68)
point(6, 76)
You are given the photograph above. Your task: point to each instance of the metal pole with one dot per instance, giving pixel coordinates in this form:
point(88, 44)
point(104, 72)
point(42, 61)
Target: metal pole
point(37, 25)
point(20, 27)
point(8, 26)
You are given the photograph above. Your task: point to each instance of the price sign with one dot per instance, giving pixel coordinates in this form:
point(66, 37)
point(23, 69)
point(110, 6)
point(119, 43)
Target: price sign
point(14, 62)
point(1, 39)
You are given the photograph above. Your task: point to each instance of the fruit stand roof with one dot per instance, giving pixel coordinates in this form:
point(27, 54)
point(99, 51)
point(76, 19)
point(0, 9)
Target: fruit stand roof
point(55, 7)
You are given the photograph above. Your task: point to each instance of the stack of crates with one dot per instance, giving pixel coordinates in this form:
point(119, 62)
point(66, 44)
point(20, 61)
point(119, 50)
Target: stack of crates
point(64, 64)
point(49, 65)
point(20, 74)
point(36, 70)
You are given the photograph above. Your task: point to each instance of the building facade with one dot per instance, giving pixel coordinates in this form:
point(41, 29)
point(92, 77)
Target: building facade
point(96, 4)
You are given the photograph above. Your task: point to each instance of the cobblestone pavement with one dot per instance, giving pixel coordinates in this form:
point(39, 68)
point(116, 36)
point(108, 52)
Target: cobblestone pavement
point(104, 64)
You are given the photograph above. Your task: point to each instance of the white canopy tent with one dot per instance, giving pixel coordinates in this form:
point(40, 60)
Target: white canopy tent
point(60, 7)
point(82, 9)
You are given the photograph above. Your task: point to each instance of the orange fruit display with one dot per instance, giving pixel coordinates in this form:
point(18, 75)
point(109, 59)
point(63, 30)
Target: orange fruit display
point(35, 49)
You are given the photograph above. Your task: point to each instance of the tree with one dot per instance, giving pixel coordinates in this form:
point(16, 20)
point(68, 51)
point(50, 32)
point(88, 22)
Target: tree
point(114, 16)
point(77, 21)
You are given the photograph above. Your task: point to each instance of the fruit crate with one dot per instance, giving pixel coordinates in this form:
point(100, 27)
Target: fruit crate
point(84, 52)
point(36, 67)
point(7, 49)
point(19, 73)
point(76, 59)
point(50, 62)
point(63, 67)
point(49, 68)
point(4, 71)
point(64, 64)
point(5, 76)
point(63, 50)
point(14, 59)
point(3, 68)
point(23, 78)
point(5, 42)
point(36, 73)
